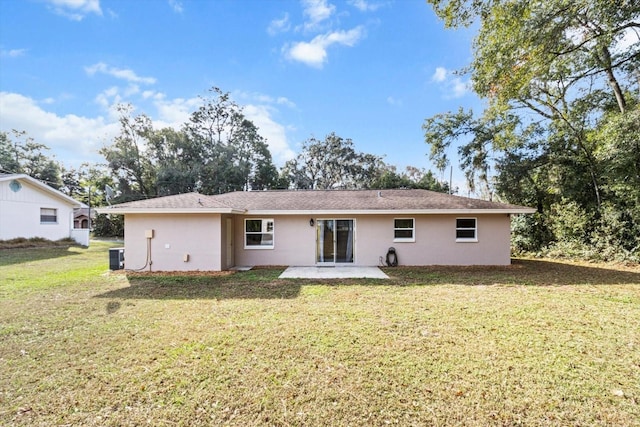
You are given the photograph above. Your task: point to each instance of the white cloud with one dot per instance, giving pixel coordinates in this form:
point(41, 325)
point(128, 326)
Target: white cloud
point(454, 87)
point(279, 25)
point(286, 102)
point(365, 6)
point(174, 112)
point(440, 75)
point(75, 10)
point(316, 11)
point(394, 101)
point(12, 53)
point(176, 6)
point(314, 53)
point(260, 108)
point(73, 139)
point(274, 132)
point(459, 87)
point(119, 73)
point(109, 97)
point(255, 97)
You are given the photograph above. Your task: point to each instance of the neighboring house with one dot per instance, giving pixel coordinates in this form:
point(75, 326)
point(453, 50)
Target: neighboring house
point(306, 228)
point(81, 218)
point(30, 208)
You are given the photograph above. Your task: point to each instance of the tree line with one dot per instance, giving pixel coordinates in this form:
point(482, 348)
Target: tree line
point(217, 150)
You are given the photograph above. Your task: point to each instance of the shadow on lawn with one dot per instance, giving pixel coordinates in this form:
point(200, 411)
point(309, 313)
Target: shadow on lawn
point(264, 283)
point(259, 284)
point(22, 255)
point(520, 272)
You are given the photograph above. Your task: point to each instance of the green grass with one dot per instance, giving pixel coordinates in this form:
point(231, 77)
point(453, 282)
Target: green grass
point(536, 343)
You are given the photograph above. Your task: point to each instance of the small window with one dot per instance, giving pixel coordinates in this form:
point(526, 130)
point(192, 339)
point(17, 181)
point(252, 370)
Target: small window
point(258, 234)
point(48, 216)
point(466, 230)
point(404, 230)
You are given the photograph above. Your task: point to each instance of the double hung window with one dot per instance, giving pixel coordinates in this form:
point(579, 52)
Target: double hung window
point(258, 233)
point(466, 230)
point(48, 216)
point(404, 230)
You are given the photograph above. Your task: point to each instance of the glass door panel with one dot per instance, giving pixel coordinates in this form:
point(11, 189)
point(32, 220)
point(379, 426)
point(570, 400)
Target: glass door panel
point(344, 240)
point(325, 241)
point(334, 241)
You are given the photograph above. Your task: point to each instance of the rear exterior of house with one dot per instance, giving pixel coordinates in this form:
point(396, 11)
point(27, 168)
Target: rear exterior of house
point(30, 208)
point(309, 228)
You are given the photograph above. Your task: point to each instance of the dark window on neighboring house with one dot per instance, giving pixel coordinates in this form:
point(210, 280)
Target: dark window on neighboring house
point(48, 216)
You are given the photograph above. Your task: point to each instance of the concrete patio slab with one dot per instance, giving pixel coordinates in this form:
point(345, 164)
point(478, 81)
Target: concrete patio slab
point(333, 273)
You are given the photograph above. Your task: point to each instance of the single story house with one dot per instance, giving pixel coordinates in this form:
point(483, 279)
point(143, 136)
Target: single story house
point(314, 227)
point(30, 208)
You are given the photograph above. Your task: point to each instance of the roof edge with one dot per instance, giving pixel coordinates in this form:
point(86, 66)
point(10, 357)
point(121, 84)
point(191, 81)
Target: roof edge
point(122, 211)
point(523, 210)
point(44, 187)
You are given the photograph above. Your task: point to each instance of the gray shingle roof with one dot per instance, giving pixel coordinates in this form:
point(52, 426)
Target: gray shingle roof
point(318, 200)
point(177, 201)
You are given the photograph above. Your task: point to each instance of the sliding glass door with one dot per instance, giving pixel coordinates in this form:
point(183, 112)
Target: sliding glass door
point(334, 241)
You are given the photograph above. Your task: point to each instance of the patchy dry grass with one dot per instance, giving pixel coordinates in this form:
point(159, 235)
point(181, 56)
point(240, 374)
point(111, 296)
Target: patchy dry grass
point(537, 343)
point(36, 242)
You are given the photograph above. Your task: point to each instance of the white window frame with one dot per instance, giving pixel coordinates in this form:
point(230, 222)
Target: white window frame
point(475, 231)
point(264, 230)
point(55, 215)
point(404, 239)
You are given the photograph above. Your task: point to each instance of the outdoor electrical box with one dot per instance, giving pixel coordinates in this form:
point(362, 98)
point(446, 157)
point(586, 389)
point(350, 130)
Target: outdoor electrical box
point(116, 259)
point(148, 234)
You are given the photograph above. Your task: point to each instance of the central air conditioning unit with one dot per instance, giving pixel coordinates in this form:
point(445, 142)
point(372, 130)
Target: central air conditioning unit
point(116, 259)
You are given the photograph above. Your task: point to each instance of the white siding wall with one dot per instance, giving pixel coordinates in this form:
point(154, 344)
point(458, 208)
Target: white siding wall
point(175, 235)
point(20, 213)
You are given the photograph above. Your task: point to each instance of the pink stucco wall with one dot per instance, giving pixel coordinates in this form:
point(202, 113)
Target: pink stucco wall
point(435, 243)
point(174, 236)
point(294, 242)
point(203, 237)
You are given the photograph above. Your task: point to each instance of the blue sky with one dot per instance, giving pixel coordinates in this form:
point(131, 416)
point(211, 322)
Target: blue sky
point(369, 70)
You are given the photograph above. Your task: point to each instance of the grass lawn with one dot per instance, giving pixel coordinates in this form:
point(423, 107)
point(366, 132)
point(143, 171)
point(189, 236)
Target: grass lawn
point(535, 343)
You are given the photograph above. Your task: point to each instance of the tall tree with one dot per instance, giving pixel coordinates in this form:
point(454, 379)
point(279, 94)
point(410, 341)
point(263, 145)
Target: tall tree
point(233, 154)
point(554, 73)
point(19, 153)
point(331, 163)
point(128, 156)
point(217, 150)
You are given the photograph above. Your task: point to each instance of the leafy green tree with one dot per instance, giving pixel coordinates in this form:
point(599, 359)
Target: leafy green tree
point(233, 154)
point(19, 153)
point(178, 162)
point(128, 156)
point(558, 130)
point(9, 161)
point(412, 177)
point(331, 163)
point(217, 150)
